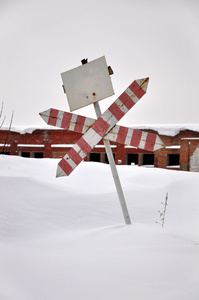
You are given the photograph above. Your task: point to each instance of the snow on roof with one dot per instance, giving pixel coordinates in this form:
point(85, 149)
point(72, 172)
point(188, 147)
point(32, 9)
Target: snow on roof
point(28, 129)
point(162, 129)
point(168, 129)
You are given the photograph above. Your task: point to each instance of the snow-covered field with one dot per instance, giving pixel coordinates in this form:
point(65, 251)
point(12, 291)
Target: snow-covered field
point(65, 238)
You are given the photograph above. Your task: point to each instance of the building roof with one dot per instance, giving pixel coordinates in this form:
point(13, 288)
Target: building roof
point(168, 129)
point(162, 129)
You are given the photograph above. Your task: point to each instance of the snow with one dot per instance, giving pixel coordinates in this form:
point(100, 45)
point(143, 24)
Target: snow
point(30, 145)
point(6, 145)
point(168, 129)
point(26, 129)
point(62, 145)
point(65, 238)
point(173, 147)
point(162, 129)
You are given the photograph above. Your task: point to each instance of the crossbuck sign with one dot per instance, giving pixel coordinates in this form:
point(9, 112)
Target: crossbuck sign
point(103, 128)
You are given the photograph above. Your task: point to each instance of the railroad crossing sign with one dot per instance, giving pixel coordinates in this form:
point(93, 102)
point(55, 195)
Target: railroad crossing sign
point(104, 128)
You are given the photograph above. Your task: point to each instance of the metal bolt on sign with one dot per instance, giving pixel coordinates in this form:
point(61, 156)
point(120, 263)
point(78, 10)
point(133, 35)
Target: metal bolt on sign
point(89, 84)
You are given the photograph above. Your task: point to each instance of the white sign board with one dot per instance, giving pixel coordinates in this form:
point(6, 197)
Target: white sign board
point(87, 84)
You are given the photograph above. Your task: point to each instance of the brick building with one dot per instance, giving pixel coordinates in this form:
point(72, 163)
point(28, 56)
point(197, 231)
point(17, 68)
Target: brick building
point(181, 150)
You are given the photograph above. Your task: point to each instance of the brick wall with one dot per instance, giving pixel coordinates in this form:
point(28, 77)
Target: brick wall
point(56, 143)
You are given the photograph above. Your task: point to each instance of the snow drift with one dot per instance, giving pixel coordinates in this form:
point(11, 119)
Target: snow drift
point(65, 238)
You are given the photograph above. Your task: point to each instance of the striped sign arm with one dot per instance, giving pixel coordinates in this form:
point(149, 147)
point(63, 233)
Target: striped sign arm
point(135, 138)
point(125, 102)
point(67, 120)
point(79, 151)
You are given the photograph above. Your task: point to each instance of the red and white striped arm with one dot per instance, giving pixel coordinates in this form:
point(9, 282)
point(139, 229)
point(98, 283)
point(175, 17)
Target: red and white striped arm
point(102, 126)
point(119, 134)
point(67, 120)
point(135, 138)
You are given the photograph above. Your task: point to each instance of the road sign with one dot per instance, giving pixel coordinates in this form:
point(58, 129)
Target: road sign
point(102, 126)
point(119, 134)
point(87, 84)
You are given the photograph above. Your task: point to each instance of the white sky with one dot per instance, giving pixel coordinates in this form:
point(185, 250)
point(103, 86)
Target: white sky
point(41, 39)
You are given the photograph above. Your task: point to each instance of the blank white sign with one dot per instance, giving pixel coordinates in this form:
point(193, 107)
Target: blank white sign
point(87, 84)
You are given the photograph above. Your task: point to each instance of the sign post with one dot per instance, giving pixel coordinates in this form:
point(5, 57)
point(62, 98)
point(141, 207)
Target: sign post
point(114, 172)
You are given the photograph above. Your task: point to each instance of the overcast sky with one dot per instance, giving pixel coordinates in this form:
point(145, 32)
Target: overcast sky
point(139, 38)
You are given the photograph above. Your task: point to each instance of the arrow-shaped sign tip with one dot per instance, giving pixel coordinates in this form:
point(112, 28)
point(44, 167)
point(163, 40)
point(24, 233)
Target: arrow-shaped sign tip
point(45, 115)
point(143, 83)
point(159, 144)
point(60, 172)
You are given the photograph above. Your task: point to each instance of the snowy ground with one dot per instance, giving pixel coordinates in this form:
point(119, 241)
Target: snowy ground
point(65, 238)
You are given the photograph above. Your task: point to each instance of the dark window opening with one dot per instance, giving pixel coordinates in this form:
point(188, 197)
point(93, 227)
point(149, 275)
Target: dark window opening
point(38, 155)
point(5, 152)
point(173, 159)
point(105, 158)
point(148, 159)
point(94, 156)
point(25, 154)
point(131, 158)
